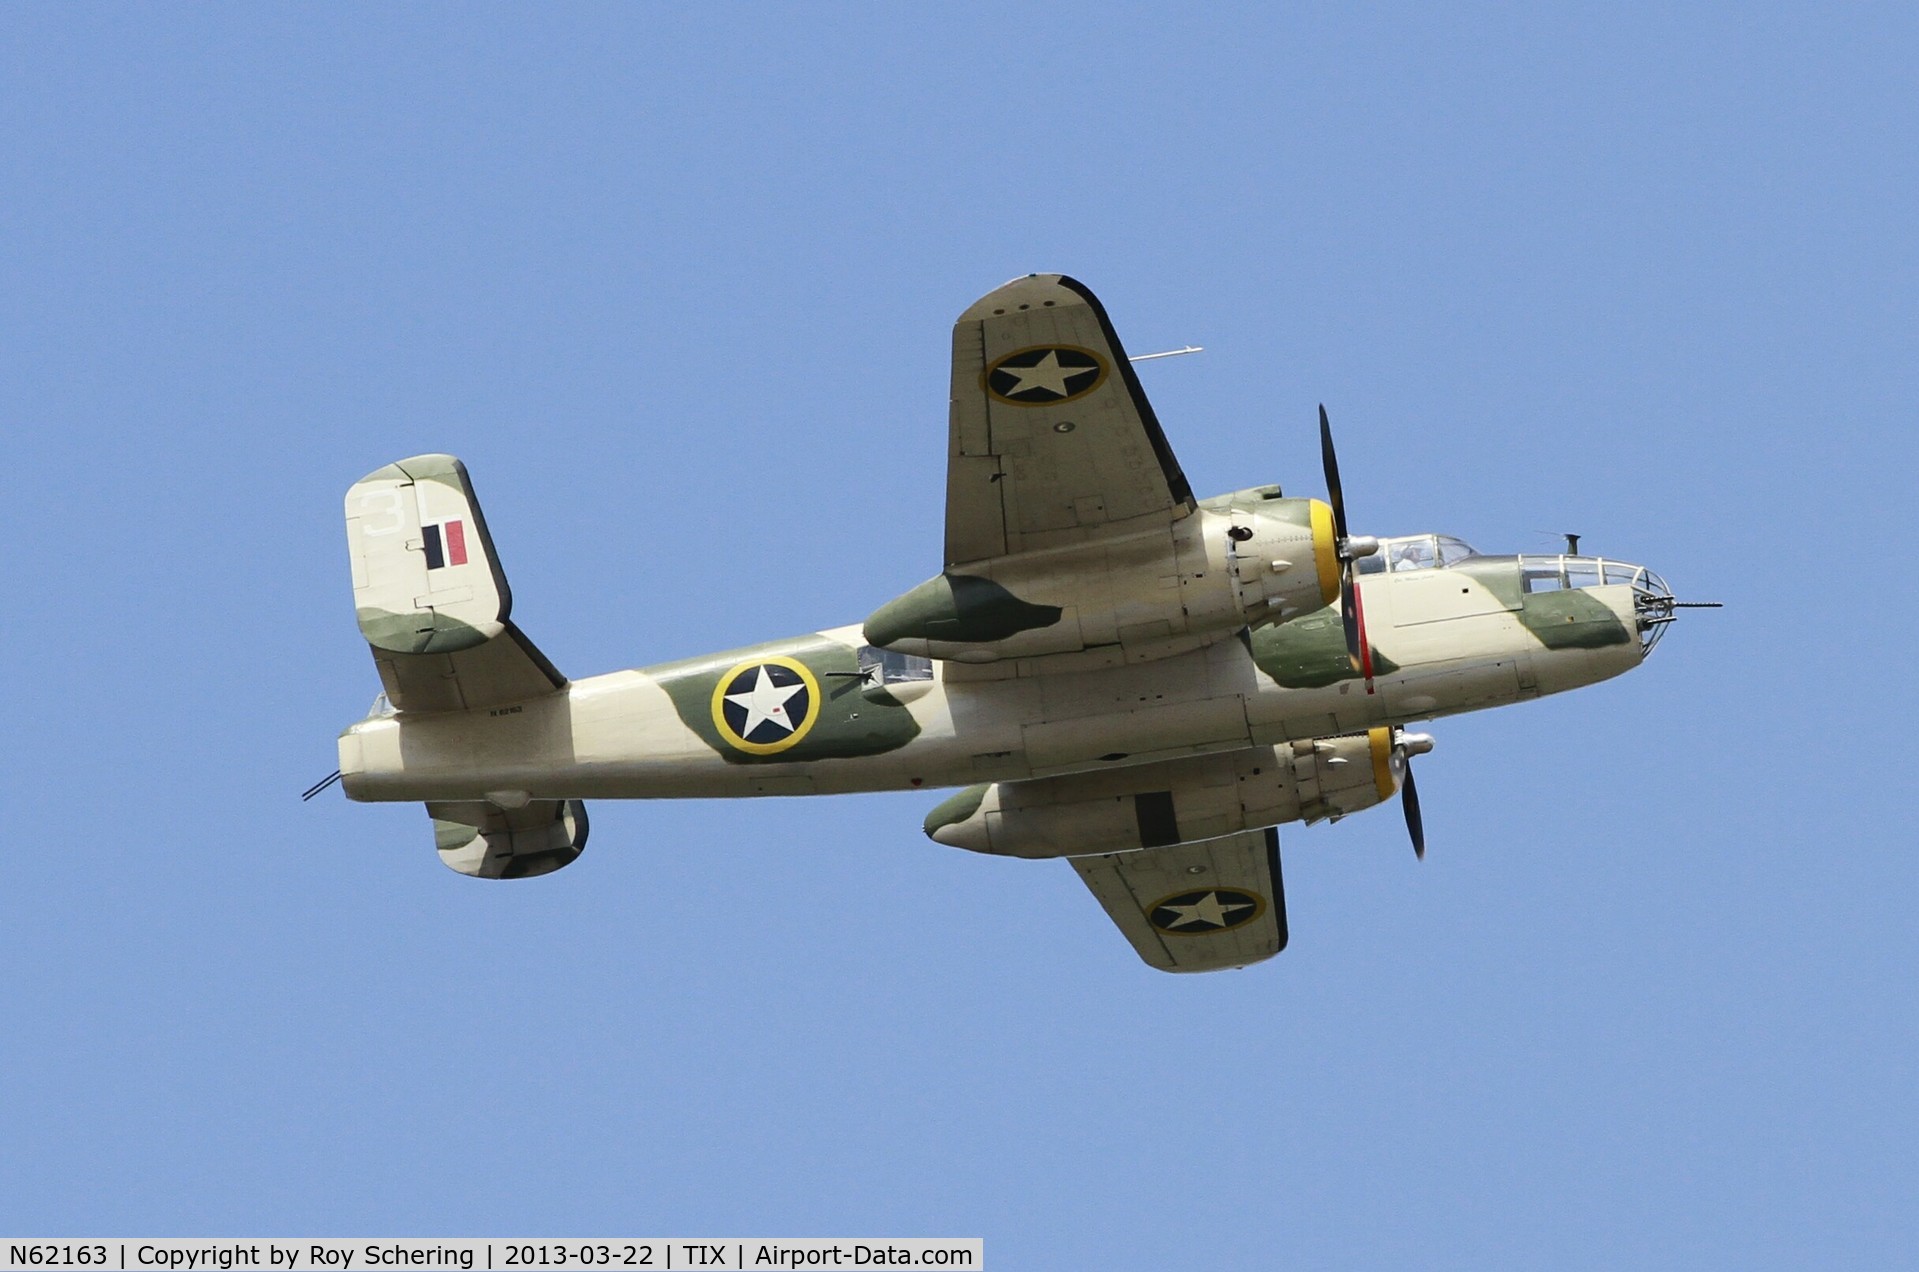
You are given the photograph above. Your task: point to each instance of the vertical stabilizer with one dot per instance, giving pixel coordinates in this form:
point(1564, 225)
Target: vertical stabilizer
point(430, 595)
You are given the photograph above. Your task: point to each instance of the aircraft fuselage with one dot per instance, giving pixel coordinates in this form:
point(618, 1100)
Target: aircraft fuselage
point(823, 713)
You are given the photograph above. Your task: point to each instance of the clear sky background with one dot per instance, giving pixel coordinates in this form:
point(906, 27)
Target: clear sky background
point(677, 283)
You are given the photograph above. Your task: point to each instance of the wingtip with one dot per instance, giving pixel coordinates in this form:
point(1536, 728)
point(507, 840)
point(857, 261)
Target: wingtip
point(1030, 289)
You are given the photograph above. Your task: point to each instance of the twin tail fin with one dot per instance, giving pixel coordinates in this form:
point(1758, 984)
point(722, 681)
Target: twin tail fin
point(431, 598)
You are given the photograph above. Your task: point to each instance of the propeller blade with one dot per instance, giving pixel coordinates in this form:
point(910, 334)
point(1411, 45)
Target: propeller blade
point(1352, 616)
point(1331, 463)
point(1409, 800)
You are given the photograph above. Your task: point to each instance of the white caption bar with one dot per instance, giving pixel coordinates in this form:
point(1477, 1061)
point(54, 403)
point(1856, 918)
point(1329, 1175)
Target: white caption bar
point(369, 1254)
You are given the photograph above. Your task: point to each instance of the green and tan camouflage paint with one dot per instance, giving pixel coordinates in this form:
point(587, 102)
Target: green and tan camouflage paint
point(652, 732)
point(843, 722)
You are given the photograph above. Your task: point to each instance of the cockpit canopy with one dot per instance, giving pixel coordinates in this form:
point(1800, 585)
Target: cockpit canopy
point(1416, 552)
point(1550, 573)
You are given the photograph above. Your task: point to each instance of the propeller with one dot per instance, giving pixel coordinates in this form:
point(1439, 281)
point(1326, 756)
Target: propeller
point(1405, 747)
point(1358, 648)
point(1409, 800)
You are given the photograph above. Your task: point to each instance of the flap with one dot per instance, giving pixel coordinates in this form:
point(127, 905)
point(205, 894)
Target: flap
point(1196, 907)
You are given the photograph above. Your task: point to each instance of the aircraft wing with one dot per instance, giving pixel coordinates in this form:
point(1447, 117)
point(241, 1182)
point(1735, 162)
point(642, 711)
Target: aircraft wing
point(1196, 907)
point(1051, 440)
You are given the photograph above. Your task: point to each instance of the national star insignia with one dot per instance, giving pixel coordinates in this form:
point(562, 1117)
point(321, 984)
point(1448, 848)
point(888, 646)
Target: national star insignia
point(1038, 376)
point(1204, 911)
point(766, 703)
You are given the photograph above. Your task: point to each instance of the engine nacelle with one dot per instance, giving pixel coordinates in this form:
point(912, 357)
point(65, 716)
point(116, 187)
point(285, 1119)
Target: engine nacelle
point(1172, 801)
point(1240, 560)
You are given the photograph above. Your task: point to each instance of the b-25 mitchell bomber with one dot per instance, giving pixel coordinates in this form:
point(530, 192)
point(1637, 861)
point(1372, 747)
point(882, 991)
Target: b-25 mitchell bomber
point(1114, 672)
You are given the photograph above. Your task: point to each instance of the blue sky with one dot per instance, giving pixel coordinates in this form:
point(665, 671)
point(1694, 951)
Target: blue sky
point(676, 282)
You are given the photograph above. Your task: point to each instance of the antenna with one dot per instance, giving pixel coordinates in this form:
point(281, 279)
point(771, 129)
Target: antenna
point(319, 786)
point(1169, 353)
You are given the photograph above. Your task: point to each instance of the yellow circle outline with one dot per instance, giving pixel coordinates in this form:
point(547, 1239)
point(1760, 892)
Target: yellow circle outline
point(738, 743)
point(1099, 363)
point(1258, 909)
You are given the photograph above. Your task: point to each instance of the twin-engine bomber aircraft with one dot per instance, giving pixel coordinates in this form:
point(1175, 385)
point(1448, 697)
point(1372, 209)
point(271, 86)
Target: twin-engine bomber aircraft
point(1117, 673)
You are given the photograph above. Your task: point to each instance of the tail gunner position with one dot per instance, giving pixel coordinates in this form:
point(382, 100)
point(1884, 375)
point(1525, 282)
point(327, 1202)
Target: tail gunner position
point(1115, 672)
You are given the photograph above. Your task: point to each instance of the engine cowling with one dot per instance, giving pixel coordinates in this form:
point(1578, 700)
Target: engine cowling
point(1172, 801)
point(1239, 560)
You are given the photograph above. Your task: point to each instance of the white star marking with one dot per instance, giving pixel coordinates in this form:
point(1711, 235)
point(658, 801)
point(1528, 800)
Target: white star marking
point(765, 701)
point(1047, 374)
point(1207, 910)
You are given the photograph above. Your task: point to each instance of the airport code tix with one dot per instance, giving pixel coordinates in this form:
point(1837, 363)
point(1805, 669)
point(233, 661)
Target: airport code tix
point(184, 1254)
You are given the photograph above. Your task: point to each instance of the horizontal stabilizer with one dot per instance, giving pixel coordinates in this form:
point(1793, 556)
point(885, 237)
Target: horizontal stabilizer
point(505, 669)
point(486, 841)
point(429, 593)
